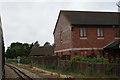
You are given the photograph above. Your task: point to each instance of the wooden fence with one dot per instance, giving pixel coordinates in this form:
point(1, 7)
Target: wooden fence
point(100, 68)
point(51, 60)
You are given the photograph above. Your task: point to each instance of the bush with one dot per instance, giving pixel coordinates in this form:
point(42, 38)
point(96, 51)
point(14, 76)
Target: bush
point(101, 60)
point(51, 66)
point(109, 69)
point(25, 61)
point(117, 60)
point(11, 60)
point(92, 60)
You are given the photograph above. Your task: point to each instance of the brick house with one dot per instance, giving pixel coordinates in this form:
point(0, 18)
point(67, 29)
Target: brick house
point(80, 33)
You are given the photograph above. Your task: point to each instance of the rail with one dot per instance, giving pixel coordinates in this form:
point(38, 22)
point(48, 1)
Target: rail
point(21, 74)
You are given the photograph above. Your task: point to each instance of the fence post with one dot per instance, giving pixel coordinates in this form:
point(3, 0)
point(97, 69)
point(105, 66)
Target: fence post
point(58, 66)
point(31, 63)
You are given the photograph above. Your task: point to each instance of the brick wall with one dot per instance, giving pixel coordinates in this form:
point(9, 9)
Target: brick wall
point(62, 34)
point(92, 40)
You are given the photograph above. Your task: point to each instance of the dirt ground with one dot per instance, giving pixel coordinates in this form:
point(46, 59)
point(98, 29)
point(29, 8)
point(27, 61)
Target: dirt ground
point(43, 73)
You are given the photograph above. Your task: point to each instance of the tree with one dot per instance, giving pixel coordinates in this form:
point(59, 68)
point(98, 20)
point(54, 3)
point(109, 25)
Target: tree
point(118, 4)
point(31, 45)
point(47, 44)
point(36, 43)
point(9, 53)
point(18, 49)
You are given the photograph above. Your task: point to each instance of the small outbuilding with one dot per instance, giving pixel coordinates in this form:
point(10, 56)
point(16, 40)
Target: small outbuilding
point(112, 50)
point(42, 51)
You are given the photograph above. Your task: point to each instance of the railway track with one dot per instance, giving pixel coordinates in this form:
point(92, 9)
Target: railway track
point(22, 75)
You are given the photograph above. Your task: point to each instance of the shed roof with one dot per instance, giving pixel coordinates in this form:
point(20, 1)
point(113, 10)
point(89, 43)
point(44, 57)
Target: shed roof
point(112, 45)
point(42, 51)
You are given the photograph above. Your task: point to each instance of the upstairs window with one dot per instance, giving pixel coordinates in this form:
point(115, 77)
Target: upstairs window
point(100, 32)
point(83, 32)
point(117, 32)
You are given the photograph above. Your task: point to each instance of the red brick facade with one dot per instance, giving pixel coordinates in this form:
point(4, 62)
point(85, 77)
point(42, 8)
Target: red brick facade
point(69, 42)
point(62, 34)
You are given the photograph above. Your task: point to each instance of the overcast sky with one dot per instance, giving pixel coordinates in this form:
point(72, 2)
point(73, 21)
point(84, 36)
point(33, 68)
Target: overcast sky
point(34, 20)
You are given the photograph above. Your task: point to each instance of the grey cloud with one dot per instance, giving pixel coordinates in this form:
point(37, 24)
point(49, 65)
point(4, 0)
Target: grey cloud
point(58, 0)
point(31, 21)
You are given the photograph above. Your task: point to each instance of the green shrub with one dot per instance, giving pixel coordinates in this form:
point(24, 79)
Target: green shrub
point(11, 61)
point(51, 66)
point(117, 60)
point(73, 60)
point(92, 60)
point(109, 69)
point(25, 61)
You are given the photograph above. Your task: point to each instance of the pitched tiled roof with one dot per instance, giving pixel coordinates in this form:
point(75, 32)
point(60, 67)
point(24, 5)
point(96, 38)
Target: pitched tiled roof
point(42, 51)
point(92, 18)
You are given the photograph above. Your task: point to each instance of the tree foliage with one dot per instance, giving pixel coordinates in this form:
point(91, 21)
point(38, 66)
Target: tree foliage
point(36, 44)
point(18, 49)
point(47, 44)
point(118, 4)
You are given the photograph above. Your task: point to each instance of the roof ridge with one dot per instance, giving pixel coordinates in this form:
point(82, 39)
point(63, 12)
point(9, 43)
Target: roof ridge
point(88, 11)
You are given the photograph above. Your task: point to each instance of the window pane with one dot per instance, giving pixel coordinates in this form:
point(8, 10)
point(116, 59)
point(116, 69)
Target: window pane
point(81, 32)
point(98, 32)
point(84, 31)
point(101, 31)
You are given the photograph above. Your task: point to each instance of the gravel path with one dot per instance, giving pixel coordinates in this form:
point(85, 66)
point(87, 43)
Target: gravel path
point(10, 74)
point(47, 74)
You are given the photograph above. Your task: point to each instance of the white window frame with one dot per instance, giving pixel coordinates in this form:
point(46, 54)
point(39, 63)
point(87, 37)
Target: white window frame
point(100, 32)
point(83, 32)
point(84, 29)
